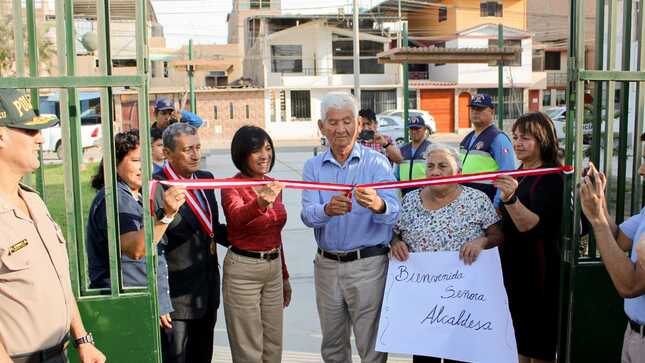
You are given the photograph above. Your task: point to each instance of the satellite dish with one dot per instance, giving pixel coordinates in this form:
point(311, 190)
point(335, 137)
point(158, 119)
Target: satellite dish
point(90, 41)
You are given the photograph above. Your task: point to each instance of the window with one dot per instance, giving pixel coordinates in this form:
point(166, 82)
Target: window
point(214, 112)
point(283, 106)
point(552, 61)
point(216, 79)
point(546, 98)
point(443, 14)
point(491, 8)
point(116, 63)
point(153, 69)
point(412, 99)
point(513, 43)
point(248, 112)
point(230, 110)
point(513, 101)
point(343, 54)
point(300, 105)
point(260, 4)
point(378, 101)
point(286, 58)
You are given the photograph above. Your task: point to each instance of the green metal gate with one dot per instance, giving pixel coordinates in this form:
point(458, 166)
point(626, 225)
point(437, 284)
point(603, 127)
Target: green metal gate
point(124, 322)
point(592, 317)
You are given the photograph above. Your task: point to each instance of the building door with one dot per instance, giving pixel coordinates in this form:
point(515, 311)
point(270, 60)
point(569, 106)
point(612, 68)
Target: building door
point(534, 100)
point(464, 111)
point(440, 104)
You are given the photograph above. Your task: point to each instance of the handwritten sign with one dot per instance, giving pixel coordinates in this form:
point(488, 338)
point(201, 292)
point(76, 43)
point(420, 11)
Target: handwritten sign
point(434, 305)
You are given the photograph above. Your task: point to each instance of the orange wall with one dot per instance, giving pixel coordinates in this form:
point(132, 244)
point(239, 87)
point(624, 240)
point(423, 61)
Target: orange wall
point(514, 14)
point(464, 14)
point(426, 23)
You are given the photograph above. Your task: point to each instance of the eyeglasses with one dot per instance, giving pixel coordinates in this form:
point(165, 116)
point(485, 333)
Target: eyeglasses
point(166, 112)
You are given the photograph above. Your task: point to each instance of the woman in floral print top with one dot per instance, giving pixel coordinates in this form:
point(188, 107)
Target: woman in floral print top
point(445, 217)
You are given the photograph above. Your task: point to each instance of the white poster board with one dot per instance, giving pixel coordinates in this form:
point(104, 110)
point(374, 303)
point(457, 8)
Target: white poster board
point(434, 305)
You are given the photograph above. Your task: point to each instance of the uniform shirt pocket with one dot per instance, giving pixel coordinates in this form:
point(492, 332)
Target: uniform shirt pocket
point(13, 262)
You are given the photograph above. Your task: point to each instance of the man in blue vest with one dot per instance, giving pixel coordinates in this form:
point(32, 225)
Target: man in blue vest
point(486, 148)
point(413, 153)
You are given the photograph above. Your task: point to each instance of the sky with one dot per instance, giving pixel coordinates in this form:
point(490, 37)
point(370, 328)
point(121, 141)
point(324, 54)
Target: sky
point(205, 20)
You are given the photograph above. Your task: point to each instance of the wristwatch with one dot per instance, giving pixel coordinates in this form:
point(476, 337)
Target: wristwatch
point(387, 145)
point(163, 218)
point(511, 200)
point(87, 339)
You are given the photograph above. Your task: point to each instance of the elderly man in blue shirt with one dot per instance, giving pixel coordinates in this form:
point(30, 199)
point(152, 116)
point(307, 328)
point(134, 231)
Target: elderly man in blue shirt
point(352, 231)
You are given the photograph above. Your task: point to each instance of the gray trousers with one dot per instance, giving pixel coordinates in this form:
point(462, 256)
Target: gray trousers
point(633, 347)
point(349, 295)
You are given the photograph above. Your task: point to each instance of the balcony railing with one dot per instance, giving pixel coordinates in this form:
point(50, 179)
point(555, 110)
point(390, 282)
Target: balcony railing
point(556, 79)
point(419, 75)
point(311, 72)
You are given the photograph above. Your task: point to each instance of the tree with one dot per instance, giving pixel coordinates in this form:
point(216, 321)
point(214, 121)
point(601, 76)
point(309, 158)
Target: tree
point(46, 48)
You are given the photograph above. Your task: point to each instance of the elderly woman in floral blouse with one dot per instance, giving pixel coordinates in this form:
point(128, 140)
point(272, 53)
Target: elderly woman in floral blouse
point(449, 217)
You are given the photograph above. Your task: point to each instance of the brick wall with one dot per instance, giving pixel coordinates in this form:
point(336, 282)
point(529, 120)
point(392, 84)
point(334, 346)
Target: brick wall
point(218, 130)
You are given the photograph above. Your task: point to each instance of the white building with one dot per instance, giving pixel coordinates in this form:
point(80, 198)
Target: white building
point(299, 59)
point(444, 90)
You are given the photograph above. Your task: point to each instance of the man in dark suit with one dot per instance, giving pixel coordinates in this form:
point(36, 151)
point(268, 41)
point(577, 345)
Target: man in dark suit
point(191, 252)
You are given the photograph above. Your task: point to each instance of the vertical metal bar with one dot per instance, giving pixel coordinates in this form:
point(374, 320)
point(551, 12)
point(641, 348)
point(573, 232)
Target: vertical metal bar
point(33, 72)
point(624, 111)
point(357, 56)
point(597, 106)
point(637, 185)
point(570, 226)
point(144, 133)
point(109, 167)
point(500, 79)
point(71, 141)
point(611, 95)
point(598, 86)
point(18, 37)
point(406, 89)
point(191, 81)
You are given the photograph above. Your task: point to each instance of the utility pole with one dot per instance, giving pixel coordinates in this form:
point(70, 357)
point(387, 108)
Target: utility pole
point(191, 84)
point(357, 58)
point(500, 80)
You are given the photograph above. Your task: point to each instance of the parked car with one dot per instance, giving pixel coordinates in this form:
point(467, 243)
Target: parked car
point(393, 127)
point(91, 133)
point(427, 117)
point(559, 116)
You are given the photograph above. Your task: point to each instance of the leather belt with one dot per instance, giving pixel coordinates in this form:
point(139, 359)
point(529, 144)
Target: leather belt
point(268, 255)
point(42, 355)
point(638, 328)
point(354, 255)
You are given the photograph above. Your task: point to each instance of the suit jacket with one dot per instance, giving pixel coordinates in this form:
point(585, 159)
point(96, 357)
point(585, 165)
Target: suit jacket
point(193, 273)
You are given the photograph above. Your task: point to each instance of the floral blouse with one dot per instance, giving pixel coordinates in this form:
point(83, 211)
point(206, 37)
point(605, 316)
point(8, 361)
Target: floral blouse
point(448, 228)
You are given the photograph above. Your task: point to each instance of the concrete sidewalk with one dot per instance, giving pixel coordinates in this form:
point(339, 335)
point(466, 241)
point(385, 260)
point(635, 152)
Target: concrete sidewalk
point(223, 354)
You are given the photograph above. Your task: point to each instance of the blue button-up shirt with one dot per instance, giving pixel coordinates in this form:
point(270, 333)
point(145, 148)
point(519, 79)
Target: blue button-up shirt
point(634, 228)
point(360, 227)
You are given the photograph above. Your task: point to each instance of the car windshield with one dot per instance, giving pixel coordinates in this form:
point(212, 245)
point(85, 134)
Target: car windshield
point(386, 122)
point(554, 112)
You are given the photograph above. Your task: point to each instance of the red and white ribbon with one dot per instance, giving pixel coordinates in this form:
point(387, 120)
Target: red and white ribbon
point(204, 218)
point(297, 184)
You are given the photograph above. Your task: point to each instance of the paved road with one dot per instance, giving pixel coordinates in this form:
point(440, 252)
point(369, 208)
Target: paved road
point(301, 325)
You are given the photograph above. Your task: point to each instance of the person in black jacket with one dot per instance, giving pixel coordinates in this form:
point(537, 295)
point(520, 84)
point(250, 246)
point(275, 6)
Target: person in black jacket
point(191, 252)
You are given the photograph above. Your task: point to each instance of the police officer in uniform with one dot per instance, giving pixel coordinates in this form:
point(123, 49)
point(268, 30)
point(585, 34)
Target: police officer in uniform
point(486, 148)
point(165, 115)
point(38, 313)
point(413, 165)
